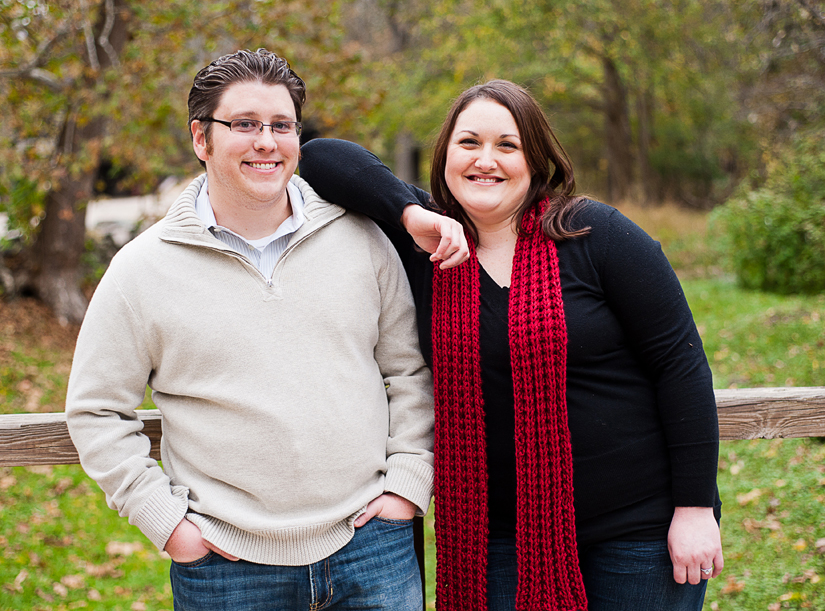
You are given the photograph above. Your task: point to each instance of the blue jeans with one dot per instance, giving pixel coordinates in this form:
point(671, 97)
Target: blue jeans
point(376, 570)
point(618, 576)
point(502, 574)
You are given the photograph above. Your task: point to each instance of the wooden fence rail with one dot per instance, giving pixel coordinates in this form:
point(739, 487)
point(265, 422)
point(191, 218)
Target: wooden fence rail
point(745, 413)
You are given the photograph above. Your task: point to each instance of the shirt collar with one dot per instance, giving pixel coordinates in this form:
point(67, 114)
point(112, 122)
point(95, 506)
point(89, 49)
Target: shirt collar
point(206, 214)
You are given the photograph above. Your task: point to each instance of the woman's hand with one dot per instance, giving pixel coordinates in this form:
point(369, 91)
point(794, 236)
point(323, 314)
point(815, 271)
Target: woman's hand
point(436, 234)
point(694, 543)
point(388, 505)
point(187, 545)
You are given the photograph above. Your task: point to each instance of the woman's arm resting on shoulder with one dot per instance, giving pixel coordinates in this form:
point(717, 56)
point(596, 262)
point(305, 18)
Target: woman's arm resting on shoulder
point(695, 543)
point(436, 234)
point(352, 177)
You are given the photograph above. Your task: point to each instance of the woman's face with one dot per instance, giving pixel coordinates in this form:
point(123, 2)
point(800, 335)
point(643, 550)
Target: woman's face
point(486, 170)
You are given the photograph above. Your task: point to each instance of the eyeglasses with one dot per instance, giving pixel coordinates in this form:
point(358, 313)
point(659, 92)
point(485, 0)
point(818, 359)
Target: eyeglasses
point(252, 127)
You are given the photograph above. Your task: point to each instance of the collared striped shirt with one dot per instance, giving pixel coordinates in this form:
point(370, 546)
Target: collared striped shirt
point(263, 252)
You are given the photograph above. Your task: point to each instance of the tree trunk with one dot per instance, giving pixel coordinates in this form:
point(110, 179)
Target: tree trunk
point(617, 134)
point(58, 248)
point(60, 241)
point(406, 158)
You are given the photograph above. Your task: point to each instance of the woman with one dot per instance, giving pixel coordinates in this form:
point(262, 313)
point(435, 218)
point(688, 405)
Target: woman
point(567, 328)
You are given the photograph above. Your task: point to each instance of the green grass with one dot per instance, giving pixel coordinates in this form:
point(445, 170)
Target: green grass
point(62, 548)
point(772, 526)
point(755, 339)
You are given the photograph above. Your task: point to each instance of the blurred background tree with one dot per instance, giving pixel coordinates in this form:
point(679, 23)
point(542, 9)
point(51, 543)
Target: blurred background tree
point(655, 100)
point(94, 93)
point(643, 93)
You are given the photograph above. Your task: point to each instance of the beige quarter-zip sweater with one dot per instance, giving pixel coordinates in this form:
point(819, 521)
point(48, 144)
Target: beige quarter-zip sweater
point(288, 402)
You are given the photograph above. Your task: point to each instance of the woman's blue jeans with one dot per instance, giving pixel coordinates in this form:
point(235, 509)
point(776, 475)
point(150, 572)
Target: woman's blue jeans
point(376, 570)
point(618, 576)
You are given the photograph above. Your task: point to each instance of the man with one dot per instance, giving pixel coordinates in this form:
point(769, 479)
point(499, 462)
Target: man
point(278, 336)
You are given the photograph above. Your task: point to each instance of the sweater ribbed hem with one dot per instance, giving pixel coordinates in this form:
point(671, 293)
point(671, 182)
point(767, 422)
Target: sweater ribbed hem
point(411, 478)
point(161, 513)
point(295, 546)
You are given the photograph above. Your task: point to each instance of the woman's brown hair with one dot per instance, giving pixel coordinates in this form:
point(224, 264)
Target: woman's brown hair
point(541, 151)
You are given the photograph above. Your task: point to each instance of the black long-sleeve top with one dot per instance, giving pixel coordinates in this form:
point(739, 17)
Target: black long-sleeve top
point(640, 400)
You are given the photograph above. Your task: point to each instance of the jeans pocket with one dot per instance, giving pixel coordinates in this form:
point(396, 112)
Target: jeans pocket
point(393, 521)
point(196, 563)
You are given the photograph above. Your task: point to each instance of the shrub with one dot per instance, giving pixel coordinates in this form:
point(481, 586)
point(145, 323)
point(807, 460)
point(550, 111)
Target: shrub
point(774, 235)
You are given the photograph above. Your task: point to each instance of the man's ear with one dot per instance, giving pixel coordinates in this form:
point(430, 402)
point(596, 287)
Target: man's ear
point(199, 141)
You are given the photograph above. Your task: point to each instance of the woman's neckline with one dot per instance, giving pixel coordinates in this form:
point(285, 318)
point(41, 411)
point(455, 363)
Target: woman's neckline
point(485, 274)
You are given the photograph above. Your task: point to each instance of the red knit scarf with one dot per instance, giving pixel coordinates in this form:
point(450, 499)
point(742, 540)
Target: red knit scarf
point(548, 568)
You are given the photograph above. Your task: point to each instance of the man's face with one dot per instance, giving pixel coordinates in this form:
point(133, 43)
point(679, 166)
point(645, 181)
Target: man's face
point(249, 171)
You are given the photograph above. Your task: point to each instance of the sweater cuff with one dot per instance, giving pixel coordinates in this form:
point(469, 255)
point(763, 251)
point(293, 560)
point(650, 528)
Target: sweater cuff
point(411, 478)
point(161, 513)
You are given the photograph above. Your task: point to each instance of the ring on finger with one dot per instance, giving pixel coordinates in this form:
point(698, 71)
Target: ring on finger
point(706, 571)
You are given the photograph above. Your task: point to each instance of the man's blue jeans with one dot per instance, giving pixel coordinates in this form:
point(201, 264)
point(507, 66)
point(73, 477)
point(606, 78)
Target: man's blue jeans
point(376, 570)
point(618, 576)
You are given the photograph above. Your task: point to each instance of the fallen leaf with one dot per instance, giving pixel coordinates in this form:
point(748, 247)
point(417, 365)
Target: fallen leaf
point(17, 586)
point(744, 499)
point(807, 575)
point(732, 586)
point(33, 400)
point(45, 595)
point(64, 541)
point(123, 548)
point(40, 469)
point(753, 526)
point(60, 589)
point(73, 582)
point(52, 509)
point(107, 569)
point(62, 485)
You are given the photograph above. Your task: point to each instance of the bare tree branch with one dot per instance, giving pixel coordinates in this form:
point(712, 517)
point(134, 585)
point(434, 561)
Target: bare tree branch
point(89, 36)
point(33, 70)
point(103, 39)
point(45, 47)
point(36, 75)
